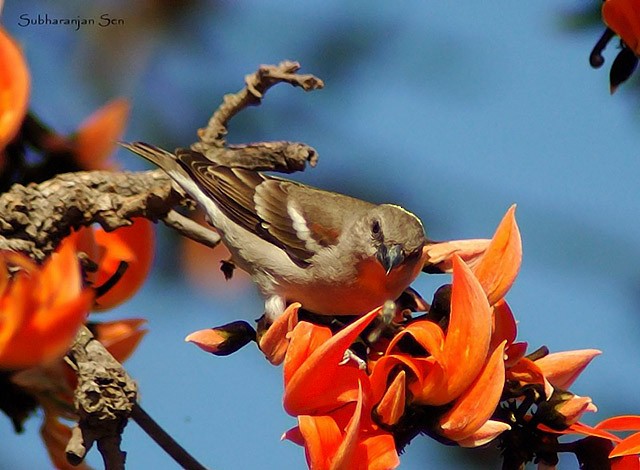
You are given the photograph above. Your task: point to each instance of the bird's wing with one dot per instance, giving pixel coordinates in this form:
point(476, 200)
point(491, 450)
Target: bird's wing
point(297, 218)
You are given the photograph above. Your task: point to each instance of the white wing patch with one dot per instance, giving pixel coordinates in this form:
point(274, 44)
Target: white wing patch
point(299, 224)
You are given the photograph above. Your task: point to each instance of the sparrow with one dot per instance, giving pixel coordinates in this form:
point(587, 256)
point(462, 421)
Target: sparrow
point(335, 254)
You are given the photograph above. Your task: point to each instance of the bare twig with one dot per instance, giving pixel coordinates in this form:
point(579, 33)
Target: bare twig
point(191, 229)
point(164, 440)
point(251, 95)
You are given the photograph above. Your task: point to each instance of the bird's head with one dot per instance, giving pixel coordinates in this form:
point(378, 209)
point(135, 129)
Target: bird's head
point(393, 236)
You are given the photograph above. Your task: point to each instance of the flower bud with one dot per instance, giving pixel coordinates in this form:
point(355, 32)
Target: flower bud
point(223, 340)
point(563, 409)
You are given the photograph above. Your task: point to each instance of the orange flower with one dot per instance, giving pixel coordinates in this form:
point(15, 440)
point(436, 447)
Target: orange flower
point(132, 245)
point(624, 455)
point(623, 17)
point(14, 88)
point(96, 138)
point(526, 371)
point(334, 423)
point(391, 406)
point(41, 309)
point(495, 262)
point(120, 337)
point(344, 439)
point(313, 351)
point(456, 358)
point(630, 446)
point(573, 408)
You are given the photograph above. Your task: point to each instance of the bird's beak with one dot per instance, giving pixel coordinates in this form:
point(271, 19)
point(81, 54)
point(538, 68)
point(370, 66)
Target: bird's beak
point(390, 256)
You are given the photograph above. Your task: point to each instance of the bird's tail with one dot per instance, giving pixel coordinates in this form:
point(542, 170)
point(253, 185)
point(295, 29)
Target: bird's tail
point(157, 156)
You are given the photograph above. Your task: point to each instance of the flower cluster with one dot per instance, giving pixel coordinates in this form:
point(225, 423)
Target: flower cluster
point(364, 390)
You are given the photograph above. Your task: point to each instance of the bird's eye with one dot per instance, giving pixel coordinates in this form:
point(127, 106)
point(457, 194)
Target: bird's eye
point(376, 230)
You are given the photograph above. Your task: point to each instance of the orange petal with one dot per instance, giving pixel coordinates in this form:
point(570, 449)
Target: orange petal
point(391, 407)
point(42, 312)
point(563, 368)
point(14, 88)
point(385, 365)
point(224, 340)
point(429, 335)
point(620, 423)
point(628, 446)
point(133, 244)
point(478, 402)
point(208, 340)
point(628, 462)
point(623, 17)
point(379, 452)
point(294, 435)
point(275, 341)
point(440, 255)
point(581, 428)
point(14, 311)
point(344, 456)
point(527, 371)
point(62, 264)
point(322, 438)
point(32, 345)
point(305, 338)
point(304, 393)
point(499, 266)
point(504, 325)
point(515, 352)
point(487, 433)
point(466, 344)
point(97, 136)
point(120, 337)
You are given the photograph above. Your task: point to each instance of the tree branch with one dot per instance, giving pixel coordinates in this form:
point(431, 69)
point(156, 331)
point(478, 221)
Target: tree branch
point(164, 440)
point(35, 218)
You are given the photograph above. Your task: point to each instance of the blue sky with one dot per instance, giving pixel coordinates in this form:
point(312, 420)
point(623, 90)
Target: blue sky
point(453, 110)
